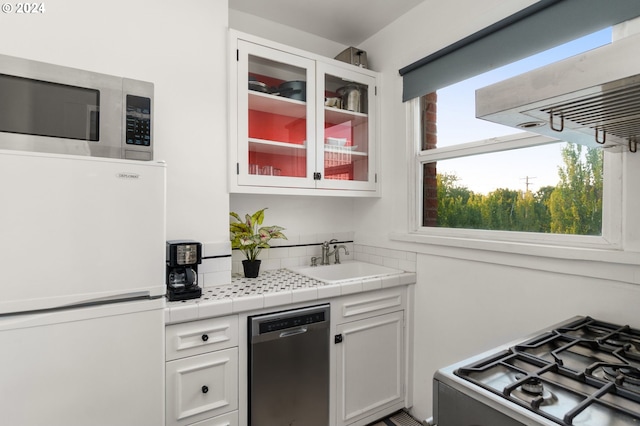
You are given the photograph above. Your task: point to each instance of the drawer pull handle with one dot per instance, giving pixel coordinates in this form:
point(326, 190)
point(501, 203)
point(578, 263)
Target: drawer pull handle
point(205, 337)
point(205, 389)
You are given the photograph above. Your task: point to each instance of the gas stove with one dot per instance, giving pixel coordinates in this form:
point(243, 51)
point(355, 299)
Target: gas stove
point(582, 372)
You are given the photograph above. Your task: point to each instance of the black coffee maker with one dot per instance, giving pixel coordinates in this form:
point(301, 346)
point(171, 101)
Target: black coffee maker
point(183, 257)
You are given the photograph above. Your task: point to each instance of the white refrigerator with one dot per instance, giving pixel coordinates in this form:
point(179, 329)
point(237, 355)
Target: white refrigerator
point(82, 255)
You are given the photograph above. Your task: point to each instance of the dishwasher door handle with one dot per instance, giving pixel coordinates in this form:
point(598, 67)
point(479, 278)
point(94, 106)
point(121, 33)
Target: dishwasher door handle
point(293, 332)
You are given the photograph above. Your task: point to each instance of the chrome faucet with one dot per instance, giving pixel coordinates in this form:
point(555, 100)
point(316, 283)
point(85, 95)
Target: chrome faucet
point(337, 252)
point(327, 253)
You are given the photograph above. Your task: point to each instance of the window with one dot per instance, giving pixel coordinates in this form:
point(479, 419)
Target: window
point(476, 175)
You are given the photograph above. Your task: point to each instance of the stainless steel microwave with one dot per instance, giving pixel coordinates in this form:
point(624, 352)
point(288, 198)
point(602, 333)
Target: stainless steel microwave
point(55, 109)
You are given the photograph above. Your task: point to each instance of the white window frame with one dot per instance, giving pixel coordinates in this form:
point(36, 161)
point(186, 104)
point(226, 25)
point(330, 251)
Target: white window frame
point(609, 242)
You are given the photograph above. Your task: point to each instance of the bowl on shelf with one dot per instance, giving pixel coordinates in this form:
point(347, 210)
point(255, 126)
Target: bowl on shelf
point(257, 86)
point(336, 141)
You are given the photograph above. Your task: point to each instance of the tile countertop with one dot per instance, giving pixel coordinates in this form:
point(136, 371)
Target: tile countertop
point(272, 288)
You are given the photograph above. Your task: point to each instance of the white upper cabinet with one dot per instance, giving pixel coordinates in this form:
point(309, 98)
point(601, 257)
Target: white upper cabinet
point(299, 123)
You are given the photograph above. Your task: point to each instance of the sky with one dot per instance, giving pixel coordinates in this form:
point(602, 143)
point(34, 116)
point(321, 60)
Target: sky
point(511, 169)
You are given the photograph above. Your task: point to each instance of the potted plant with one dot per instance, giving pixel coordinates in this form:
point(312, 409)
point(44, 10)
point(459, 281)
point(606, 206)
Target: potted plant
point(249, 237)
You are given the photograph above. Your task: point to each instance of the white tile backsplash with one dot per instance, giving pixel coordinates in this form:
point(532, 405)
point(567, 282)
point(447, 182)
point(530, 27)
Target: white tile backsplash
point(398, 259)
point(216, 249)
point(215, 269)
point(291, 262)
point(296, 251)
point(391, 262)
point(214, 279)
point(279, 253)
point(300, 250)
point(216, 264)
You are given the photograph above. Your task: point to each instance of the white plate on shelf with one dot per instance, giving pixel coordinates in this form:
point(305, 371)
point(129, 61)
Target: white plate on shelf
point(336, 141)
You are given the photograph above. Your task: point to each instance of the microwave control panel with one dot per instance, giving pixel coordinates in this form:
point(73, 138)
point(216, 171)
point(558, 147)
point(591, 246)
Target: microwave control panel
point(138, 121)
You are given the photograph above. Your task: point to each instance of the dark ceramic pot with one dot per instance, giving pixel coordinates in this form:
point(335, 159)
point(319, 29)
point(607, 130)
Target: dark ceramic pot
point(251, 268)
point(293, 90)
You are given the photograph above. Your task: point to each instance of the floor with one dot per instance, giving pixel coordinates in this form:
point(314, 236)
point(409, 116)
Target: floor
point(400, 418)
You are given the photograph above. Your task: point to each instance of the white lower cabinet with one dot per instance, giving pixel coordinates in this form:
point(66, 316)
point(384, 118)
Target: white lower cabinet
point(368, 369)
point(370, 354)
point(202, 388)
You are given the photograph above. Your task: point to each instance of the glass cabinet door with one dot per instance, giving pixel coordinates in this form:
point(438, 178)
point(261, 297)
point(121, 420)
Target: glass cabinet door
point(345, 134)
point(276, 94)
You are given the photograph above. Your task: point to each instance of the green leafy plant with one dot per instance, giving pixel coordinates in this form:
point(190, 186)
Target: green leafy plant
point(249, 237)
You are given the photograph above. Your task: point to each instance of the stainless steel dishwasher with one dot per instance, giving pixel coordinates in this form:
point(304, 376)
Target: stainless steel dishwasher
point(289, 368)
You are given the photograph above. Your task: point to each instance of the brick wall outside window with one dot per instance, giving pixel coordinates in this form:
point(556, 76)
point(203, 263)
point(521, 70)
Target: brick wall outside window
point(428, 111)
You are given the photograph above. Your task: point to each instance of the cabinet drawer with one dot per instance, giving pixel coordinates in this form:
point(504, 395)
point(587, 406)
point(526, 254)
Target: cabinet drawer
point(229, 419)
point(198, 337)
point(363, 305)
point(202, 387)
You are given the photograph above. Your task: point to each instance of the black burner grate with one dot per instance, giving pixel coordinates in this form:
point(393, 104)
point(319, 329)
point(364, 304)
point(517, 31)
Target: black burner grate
point(587, 373)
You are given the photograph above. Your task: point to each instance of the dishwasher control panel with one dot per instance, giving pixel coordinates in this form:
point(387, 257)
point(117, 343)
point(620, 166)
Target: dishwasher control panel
point(297, 321)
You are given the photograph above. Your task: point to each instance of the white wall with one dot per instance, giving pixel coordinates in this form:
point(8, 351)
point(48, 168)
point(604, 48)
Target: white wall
point(178, 47)
point(464, 308)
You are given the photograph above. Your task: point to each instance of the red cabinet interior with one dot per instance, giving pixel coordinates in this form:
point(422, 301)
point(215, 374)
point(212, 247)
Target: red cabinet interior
point(284, 130)
point(277, 128)
point(281, 129)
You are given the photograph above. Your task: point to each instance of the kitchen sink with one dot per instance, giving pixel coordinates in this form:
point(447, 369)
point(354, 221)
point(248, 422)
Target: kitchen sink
point(346, 271)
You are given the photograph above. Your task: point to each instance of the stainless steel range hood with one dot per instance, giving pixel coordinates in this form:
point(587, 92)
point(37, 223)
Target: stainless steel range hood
point(592, 98)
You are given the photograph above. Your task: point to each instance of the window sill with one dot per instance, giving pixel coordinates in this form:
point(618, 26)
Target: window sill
point(593, 262)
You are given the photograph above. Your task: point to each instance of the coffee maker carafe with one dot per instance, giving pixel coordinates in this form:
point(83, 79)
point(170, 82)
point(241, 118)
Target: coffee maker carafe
point(183, 257)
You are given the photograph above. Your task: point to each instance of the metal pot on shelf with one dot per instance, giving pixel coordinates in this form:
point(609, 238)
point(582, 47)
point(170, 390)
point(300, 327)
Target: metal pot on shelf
point(296, 89)
point(354, 97)
point(289, 89)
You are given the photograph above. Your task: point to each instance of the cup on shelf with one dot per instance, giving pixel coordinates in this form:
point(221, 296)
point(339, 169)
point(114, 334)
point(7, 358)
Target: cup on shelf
point(277, 172)
point(333, 102)
point(254, 169)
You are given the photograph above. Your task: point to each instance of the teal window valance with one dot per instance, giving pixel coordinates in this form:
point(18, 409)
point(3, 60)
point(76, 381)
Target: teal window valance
point(541, 26)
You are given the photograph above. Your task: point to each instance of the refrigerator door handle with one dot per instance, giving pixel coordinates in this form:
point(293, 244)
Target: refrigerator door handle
point(134, 295)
